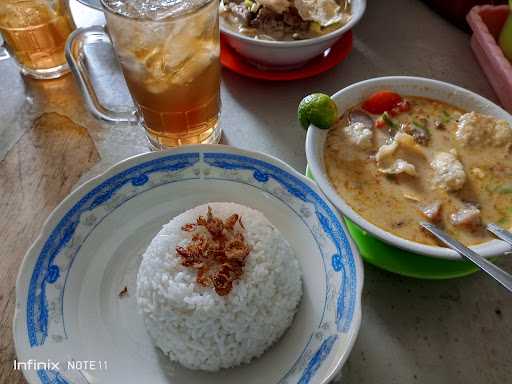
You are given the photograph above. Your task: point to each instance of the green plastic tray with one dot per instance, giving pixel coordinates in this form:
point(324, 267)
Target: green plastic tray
point(392, 259)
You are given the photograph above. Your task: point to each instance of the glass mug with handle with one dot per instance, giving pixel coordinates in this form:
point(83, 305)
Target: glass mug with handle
point(169, 55)
point(35, 34)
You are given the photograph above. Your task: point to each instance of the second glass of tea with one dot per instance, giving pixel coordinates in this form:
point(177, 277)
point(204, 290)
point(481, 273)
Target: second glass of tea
point(35, 32)
point(169, 55)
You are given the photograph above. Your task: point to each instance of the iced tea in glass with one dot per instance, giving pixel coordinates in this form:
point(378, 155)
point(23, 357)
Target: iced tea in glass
point(169, 54)
point(35, 32)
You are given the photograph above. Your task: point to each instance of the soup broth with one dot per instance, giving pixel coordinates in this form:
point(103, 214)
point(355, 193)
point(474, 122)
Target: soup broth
point(430, 161)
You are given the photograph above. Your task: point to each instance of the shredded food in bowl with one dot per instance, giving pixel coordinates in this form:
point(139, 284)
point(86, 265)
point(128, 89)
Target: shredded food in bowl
point(285, 20)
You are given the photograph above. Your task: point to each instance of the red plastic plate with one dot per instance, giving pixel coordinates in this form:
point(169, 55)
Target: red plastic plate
point(331, 57)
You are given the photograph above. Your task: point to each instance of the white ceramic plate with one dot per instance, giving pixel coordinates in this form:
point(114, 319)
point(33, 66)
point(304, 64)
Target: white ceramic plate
point(288, 54)
point(68, 307)
point(412, 86)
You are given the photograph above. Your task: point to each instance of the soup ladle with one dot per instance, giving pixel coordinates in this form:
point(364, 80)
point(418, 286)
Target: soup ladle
point(501, 276)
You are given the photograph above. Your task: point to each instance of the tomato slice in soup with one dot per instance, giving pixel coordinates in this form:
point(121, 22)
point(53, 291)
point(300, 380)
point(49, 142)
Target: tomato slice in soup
point(381, 102)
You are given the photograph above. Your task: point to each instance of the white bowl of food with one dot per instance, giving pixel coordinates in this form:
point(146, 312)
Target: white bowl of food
point(204, 264)
point(439, 153)
point(286, 33)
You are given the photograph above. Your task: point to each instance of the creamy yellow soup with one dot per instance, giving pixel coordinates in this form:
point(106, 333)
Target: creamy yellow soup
point(434, 162)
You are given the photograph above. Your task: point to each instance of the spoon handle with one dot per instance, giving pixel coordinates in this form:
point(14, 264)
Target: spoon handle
point(500, 233)
point(485, 265)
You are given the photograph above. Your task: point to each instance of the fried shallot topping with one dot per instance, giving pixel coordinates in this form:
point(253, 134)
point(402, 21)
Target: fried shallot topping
point(217, 251)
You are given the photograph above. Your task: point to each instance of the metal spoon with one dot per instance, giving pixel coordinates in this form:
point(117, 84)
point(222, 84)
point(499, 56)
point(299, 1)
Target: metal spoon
point(502, 277)
point(500, 233)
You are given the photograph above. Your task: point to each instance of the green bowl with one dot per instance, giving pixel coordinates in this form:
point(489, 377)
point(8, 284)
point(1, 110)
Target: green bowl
point(396, 260)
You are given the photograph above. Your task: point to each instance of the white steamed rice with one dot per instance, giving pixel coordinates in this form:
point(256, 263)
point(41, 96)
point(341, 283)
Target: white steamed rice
point(202, 330)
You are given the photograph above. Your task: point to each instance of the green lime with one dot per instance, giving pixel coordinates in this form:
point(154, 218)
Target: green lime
point(317, 109)
point(505, 39)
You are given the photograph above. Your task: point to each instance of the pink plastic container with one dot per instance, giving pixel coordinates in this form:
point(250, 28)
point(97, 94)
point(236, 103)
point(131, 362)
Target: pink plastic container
point(486, 22)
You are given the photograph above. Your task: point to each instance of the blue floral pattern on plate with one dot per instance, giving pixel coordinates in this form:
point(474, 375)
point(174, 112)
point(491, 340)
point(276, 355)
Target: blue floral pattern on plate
point(58, 251)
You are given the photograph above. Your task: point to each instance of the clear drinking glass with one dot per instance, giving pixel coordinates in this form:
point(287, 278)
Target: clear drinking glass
point(169, 55)
point(35, 33)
